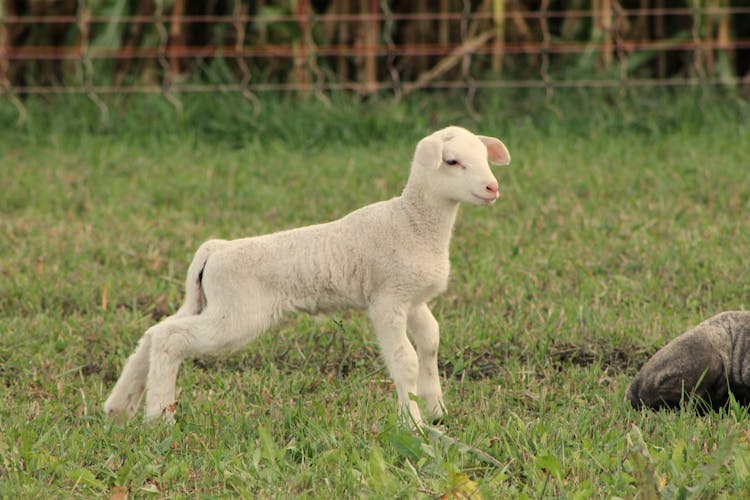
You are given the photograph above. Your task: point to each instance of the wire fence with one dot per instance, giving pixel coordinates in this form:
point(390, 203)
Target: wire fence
point(367, 46)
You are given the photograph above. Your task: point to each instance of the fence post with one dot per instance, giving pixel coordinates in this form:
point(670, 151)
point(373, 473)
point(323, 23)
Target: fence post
point(498, 46)
point(699, 62)
point(372, 33)
point(301, 72)
point(4, 42)
point(544, 67)
point(6, 86)
point(175, 39)
point(4, 45)
point(607, 33)
point(661, 60)
point(725, 54)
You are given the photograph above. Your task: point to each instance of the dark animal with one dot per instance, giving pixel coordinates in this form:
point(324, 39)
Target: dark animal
point(706, 363)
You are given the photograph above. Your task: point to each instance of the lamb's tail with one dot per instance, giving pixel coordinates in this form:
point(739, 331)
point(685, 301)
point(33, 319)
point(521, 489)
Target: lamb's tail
point(195, 296)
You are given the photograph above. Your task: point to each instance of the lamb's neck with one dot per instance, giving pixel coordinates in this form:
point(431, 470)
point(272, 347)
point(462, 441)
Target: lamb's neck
point(429, 217)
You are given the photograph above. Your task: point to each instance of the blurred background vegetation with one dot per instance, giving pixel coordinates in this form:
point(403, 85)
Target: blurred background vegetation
point(368, 45)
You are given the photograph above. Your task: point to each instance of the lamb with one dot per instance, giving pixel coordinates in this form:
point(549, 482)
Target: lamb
point(390, 258)
point(706, 362)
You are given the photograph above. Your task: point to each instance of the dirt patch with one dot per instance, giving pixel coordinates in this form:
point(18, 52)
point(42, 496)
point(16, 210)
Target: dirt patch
point(489, 362)
point(620, 358)
point(478, 364)
point(329, 353)
point(337, 359)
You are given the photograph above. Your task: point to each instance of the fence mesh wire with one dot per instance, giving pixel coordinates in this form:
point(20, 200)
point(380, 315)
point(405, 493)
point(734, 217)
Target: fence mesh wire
point(367, 46)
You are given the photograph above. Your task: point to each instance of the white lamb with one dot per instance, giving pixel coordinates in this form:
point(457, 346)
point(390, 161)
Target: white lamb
point(390, 258)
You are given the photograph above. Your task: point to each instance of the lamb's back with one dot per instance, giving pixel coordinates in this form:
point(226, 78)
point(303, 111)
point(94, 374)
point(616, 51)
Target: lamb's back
point(343, 263)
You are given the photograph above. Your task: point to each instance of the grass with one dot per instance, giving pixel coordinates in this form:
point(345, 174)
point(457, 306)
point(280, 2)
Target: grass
point(622, 221)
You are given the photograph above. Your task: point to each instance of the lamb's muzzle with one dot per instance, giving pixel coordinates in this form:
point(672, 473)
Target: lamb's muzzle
point(389, 258)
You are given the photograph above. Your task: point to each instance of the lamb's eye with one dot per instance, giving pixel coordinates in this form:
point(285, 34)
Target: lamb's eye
point(451, 162)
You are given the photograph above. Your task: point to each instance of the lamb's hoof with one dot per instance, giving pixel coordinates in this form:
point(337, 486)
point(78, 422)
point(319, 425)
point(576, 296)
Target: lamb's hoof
point(117, 415)
point(166, 415)
point(438, 419)
point(118, 412)
point(122, 406)
point(438, 415)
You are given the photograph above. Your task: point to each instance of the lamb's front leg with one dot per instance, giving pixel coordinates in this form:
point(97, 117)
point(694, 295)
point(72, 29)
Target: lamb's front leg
point(389, 322)
point(425, 331)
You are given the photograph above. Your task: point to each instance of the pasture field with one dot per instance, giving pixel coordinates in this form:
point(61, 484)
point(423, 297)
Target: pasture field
point(623, 220)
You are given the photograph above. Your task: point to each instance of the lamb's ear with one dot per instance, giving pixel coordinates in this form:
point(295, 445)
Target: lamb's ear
point(497, 153)
point(429, 152)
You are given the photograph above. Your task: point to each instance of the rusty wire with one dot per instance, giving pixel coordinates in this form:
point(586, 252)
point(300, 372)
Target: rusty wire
point(381, 50)
point(369, 16)
point(285, 51)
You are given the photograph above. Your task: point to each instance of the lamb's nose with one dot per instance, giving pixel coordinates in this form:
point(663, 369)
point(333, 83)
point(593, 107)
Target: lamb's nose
point(492, 188)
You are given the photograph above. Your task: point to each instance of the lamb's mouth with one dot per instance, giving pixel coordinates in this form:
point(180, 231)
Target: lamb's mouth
point(485, 200)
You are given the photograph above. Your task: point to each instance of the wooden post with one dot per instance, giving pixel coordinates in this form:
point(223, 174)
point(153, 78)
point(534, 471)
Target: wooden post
point(4, 50)
point(698, 52)
point(175, 38)
point(661, 60)
point(606, 25)
point(498, 45)
point(301, 70)
point(723, 39)
point(641, 30)
point(344, 37)
point(372, 33)
point(444, 27)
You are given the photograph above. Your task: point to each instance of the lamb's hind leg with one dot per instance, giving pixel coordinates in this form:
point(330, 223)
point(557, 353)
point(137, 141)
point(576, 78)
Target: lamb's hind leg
point(126, 396)
point(425, 332)
point(214, 331)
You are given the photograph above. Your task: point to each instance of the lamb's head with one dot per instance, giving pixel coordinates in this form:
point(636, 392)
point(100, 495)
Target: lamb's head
point(453, 163)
